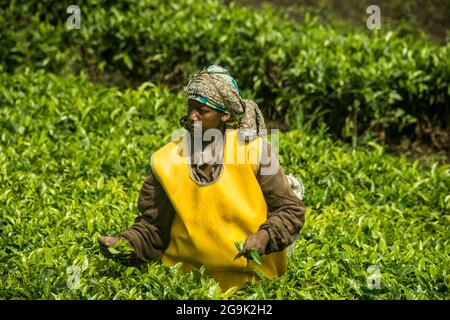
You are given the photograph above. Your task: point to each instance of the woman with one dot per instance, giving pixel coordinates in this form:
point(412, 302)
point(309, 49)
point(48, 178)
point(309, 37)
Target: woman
point(194, 211)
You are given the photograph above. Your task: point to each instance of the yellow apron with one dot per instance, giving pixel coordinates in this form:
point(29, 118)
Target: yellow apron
point(209, 218)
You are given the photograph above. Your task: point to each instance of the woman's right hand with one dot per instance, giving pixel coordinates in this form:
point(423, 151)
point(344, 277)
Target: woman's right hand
point(106, 242)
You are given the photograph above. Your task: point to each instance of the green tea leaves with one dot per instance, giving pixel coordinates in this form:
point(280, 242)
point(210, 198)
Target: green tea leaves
point(73, 153)
point(239, 245)
point(121, 247)
point(253, 254)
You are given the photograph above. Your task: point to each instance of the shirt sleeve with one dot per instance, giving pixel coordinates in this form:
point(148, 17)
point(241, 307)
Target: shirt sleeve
point(286, 212)
point(150, 233)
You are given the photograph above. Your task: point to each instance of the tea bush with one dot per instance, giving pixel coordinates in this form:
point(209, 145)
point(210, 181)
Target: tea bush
point(356, 82)
point(73, 156)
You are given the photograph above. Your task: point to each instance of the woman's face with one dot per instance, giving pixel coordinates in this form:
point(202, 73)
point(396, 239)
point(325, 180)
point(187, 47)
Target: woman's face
point(209, 117)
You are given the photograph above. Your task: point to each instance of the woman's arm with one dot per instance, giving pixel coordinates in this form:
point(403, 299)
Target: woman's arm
point(286, 212)
point(286, 215)
point(150, 233)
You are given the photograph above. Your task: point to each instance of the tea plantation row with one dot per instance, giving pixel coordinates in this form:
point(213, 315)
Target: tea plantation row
point(73, 156)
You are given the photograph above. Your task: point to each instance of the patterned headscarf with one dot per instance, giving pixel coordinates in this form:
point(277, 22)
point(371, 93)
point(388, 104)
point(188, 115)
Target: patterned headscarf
point(215, 87)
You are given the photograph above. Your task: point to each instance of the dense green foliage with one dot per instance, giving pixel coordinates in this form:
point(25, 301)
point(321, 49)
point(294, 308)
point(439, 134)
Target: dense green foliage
point(73, 156)
point(357, 82)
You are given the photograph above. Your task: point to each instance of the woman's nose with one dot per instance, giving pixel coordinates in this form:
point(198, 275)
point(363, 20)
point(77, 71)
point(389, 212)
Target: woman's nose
point(193, 116)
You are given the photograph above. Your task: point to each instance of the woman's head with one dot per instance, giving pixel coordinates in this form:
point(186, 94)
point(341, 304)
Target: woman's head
point(215, 89)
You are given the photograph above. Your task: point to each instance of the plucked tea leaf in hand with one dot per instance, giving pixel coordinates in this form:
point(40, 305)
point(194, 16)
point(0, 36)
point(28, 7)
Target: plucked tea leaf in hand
point(113, 250)
point(253, 253)
point(120, 247)
point(239, 245)
point(255, 256)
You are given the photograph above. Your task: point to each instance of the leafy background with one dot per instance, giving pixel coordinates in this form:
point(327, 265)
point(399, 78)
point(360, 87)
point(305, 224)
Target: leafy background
point(81, 111)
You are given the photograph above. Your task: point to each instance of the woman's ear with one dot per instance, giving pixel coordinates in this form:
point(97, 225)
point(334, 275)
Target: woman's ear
point(225, 117)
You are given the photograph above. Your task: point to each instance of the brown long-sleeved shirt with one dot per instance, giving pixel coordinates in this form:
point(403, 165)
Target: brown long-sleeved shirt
point(150, 234)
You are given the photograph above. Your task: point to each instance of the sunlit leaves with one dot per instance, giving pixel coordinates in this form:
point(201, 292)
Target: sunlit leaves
point(357, 82)
point(70, 175)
